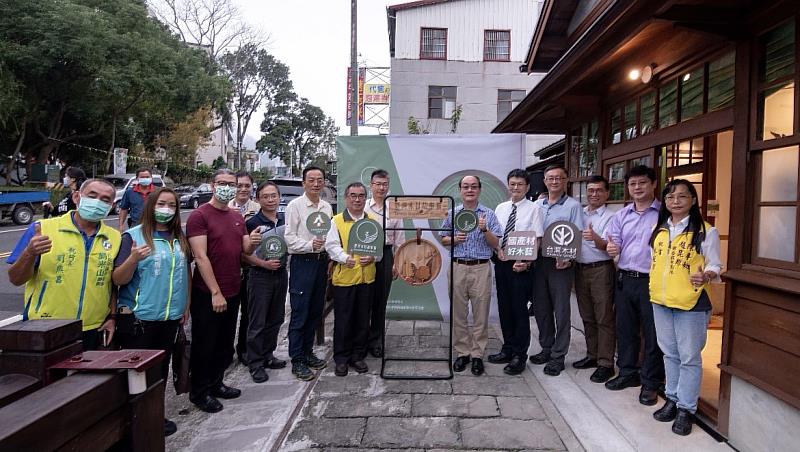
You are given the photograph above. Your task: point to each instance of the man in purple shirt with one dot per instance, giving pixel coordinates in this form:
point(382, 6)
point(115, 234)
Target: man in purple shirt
point(628, 234)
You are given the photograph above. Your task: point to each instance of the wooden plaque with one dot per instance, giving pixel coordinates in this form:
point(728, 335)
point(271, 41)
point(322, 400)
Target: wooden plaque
point(410, 207)
point(418, 262)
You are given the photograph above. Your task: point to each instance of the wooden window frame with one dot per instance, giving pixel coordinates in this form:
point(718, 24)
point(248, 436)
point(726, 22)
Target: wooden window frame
point(486, 48)
point(422, 43)
point(627, 158)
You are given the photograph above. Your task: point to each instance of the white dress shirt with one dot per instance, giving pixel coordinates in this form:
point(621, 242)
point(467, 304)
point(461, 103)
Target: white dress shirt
point(394, 238)
point(710, 245)
point(599, 219)
point(298, 239)
point(529, 216)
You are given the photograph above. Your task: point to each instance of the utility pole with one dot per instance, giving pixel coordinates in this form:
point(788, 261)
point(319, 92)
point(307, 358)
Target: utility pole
point(353, 69)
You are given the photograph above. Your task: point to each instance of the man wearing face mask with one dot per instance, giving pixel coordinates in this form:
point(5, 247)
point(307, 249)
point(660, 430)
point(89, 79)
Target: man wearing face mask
point(66, 263)
point(217, 237)
point(73, 179)
point(132, 203)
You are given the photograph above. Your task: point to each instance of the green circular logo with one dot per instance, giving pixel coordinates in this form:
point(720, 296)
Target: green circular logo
point(318, 223)
point(272, 247)
point(367, 230)
point(466, 221)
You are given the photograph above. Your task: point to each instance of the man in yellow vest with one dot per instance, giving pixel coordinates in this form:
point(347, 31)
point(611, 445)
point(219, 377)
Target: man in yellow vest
point(66, 263)
point(353, 278)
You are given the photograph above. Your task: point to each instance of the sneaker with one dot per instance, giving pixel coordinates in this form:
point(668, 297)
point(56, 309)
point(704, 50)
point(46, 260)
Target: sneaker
point(315, 363)
point(301, 371)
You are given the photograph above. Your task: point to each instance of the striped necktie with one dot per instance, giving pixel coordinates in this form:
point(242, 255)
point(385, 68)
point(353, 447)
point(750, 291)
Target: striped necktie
point(512, 222)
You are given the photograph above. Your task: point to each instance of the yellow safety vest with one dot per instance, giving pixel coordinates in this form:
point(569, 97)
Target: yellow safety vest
point(673, 264)
point(343, 276)
point(68, 283)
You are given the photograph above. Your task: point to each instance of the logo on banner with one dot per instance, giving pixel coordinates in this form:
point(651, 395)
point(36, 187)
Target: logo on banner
point(466, 221)
point(366, 238)
point(318, 223)
point(562, 241)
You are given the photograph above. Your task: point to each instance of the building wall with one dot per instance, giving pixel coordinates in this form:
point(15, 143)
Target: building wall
point(465, 21)
point(217, 146)
point(759, 421)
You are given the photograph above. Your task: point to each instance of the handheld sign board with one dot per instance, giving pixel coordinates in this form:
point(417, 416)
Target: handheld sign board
point(366, 238)
point(562, 240)
point(271, 247)
point(466, 221)
point(521, 246)
point(318, 223)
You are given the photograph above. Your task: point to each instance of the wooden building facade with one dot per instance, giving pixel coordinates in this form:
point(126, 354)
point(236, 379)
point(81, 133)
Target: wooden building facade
point(706, 90)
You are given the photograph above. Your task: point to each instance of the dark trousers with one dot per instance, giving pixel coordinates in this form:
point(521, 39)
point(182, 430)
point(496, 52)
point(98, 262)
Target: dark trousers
point(552, 290)
point(266, 306)
point(308, 275)
point(241, 339)
point(594, 288)
point(382, 285)
point(91, 340)
point(513, 292)
point(351, 321)
point(635, 314)
point(155, 335)
point(212, 341)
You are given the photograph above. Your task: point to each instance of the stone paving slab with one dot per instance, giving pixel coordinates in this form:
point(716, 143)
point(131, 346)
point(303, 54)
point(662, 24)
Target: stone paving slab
point(380, 405)
point(454, 405)
point(521, 408)
point(320, 431)
point(509, 434)
point(418, 386)
point(486, 385)
point(421, 432)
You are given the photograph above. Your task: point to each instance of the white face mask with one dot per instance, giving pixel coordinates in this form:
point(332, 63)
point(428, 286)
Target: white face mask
point(66, 181)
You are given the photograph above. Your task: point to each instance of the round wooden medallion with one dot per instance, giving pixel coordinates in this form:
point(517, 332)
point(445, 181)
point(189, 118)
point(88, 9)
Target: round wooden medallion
point(418, 262)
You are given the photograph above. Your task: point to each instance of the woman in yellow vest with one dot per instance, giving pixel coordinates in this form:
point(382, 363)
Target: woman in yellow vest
point(685, 259)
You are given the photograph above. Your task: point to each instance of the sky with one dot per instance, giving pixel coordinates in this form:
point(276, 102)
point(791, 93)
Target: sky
point(312, 37)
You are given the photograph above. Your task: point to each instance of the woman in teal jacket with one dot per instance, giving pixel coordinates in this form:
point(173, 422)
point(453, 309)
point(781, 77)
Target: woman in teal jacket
point(152, 272)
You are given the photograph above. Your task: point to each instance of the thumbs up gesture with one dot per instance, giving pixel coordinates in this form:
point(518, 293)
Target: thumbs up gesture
point(482, 223)
point(39, 244)
point(698, 278)
point(612, 248)
point(589, 234)
point(139, 253)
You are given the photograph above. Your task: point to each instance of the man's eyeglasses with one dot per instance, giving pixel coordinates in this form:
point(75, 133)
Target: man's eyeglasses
point(225, 184)
point(517, 185)
point(381, 184)
point(555, 179)
point(357, 196)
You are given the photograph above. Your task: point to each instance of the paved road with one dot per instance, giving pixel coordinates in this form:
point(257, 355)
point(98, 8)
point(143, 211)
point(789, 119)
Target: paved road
point(10, 295)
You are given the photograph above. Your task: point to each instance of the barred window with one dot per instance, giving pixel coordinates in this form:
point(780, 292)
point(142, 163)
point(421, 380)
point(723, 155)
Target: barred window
point(496, 45)
point(433, 44)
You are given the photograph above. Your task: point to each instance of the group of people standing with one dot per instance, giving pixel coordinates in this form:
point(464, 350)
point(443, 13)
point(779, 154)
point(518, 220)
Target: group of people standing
point(641, 278)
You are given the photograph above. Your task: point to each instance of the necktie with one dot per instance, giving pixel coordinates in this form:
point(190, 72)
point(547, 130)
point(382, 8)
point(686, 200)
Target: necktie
point(512, 220)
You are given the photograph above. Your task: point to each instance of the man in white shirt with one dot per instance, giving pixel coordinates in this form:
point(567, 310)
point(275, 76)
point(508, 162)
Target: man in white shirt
point(514, 279)
point(308, 273)
point(594, 285)
point(379, 184)
point(353, 280)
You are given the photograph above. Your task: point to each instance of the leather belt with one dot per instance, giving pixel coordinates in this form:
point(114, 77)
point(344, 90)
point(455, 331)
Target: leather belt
point(595, 264)
point(632, 274)
point(471, 261)
point(312, 256)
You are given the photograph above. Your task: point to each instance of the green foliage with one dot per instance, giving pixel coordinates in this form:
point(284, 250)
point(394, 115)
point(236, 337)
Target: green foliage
point(454, 120)
point(218, 163)
point(87, 70)
point(414, 127)
point(299, 133)
point(204, 172)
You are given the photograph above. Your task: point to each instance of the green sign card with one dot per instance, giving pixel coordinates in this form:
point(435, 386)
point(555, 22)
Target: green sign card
point(466, 221)
point(318, 223)
point(366, 238)
point(272, 247)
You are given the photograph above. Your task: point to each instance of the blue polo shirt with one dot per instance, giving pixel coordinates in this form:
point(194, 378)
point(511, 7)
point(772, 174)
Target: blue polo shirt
point(566, 208)
point(133, 201)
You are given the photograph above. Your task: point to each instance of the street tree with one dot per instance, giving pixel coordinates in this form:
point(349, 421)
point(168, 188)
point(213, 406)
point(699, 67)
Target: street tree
point(257, 80)
point(299, 133)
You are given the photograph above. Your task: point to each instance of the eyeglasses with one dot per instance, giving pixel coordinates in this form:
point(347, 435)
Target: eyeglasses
point(357, 196)
point(555, 179)
point(470, 187)
point(680, 198)
point(225, 184)
point(517, 185)
point(593, 191)
point(381, 184)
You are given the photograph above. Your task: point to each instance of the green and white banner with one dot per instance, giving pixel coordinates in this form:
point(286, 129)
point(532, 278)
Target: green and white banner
point(429, 165)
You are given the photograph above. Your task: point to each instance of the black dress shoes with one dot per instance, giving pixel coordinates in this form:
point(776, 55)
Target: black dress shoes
point(585, 363)
point(540, 358)
point(648, 397)
point(275, 363)
point(461, 363)
point(516, 366)
point(500, 358)
point(169, 428)
point(554, 368)
point(602, 374)
point(359, 366)
point(207, 403)
point(667, 412)
point(683, 423)
point(340, 370)
point(259, 375)
point(225, 392)
point(477, 366)
point(376, 352)
point(623, 381)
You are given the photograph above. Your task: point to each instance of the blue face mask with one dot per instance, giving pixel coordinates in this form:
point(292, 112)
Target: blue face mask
point(145, 181)
point(93, 210)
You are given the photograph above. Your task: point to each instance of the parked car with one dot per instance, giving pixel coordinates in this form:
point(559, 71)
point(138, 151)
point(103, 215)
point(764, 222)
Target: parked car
point(193, 197)
point(123, 182)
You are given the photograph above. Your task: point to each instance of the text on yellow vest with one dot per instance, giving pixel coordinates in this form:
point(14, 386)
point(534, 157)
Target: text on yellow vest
point(343, 276)
point(671, 270)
